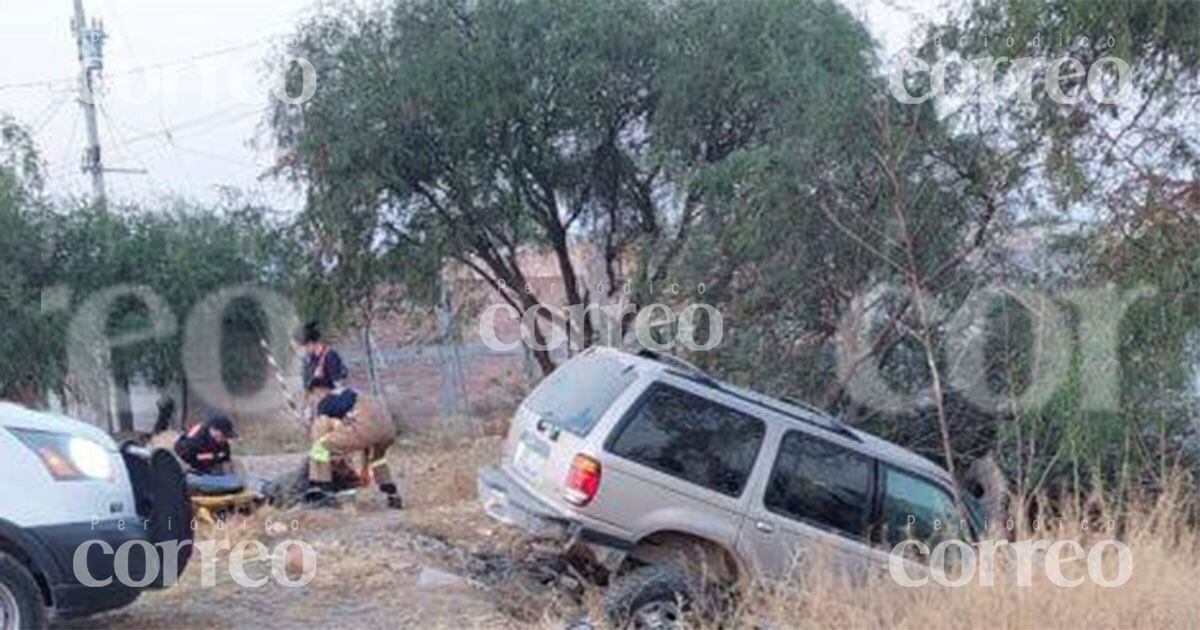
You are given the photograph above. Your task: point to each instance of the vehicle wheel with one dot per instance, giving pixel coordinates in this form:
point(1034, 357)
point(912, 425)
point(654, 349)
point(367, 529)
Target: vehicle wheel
point(653, 597)
point(20, 598)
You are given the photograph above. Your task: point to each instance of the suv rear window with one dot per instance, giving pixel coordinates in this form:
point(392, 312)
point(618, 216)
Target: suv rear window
point(692, 438)
point(577, 394)
point(819, 482)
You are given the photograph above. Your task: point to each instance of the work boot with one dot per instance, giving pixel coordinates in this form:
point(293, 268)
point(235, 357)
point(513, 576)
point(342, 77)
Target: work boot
point(318, 497)
point(393, 496)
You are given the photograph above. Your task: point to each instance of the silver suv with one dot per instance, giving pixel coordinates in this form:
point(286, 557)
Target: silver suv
point(670, 482)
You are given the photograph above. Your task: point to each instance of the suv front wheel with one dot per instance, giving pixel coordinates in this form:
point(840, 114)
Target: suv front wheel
point(653, 597)
point(20, 598)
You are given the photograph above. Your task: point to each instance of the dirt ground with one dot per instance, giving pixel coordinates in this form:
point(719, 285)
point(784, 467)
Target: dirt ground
point(439, 563)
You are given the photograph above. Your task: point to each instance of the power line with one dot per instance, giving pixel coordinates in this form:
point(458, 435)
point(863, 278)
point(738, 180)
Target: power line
point(112, 136)
point(134, 129)
point(130, 44)
point(207, 122)
point(49, 83)
point(43, 118)
point(169, 137)
point(115, 136)
point(66, 168)
point(194, 58)
point(216, 157)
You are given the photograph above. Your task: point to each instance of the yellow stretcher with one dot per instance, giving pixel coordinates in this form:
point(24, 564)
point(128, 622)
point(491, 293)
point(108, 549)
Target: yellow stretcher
point(207, 508)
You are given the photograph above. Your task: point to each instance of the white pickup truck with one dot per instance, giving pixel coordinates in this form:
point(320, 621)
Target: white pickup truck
point(69, 500)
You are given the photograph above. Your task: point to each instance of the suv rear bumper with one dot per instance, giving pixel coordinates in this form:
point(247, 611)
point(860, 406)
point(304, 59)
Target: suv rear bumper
point(509, 502)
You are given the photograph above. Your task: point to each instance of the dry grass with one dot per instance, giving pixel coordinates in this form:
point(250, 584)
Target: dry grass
point(1158, 531)
point(447, 472)
point(264, 436)
point(1159, 594)
point(437, 474)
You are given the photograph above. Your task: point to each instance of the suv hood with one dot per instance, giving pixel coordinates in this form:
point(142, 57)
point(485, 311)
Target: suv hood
point(12, 415)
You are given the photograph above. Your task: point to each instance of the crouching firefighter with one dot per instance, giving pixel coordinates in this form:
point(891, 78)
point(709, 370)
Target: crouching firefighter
point(204, 448)
point(343, 425)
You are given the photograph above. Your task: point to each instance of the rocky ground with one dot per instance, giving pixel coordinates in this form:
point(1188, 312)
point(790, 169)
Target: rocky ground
point(439, 563)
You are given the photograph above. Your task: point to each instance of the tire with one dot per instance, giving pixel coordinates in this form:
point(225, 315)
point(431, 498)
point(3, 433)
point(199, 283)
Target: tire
point(21, 603)
point(653, 596)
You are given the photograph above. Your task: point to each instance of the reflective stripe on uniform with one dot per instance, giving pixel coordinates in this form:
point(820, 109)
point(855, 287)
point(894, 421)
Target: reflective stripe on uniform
point(382, 461)
point(320, 452)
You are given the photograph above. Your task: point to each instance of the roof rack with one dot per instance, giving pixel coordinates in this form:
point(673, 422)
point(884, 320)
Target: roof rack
point(675, 361)
point(803, 404)
point(832, 424)
point(836, 423)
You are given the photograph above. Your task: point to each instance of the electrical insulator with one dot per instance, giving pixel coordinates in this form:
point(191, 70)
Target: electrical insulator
point(92, 43)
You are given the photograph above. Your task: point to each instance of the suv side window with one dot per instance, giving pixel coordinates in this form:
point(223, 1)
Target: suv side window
point(911, 504)
point(692, 438)
point(820, 482)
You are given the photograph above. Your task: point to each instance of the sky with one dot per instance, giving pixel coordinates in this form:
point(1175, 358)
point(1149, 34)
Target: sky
point(186, 85)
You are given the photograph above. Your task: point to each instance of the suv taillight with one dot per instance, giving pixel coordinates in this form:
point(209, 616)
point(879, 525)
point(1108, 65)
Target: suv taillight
point(583, 482)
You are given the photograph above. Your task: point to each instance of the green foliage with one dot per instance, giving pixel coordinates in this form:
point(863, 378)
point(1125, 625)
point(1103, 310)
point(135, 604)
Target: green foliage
point(480, 130)
point(831, 202)
point(1090, 149)
point(24, 218)
point(182, 253)
point(752, 147)
point(1126, 172)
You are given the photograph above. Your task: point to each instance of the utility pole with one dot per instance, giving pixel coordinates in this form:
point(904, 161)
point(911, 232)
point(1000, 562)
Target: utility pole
point(89, 40)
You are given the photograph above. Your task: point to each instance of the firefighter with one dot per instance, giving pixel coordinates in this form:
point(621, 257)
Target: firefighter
point(320, 360)
point(205, 446)
point(344, 425)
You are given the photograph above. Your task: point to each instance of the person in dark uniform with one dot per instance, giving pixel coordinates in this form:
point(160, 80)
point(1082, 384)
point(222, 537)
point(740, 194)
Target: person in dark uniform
point(205, 447)
point(321, 360)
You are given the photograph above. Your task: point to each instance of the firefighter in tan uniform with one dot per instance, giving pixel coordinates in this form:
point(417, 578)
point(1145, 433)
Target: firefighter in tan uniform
point(343, 425)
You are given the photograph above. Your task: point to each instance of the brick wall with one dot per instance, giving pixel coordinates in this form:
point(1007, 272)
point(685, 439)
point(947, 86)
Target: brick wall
point(430, 381)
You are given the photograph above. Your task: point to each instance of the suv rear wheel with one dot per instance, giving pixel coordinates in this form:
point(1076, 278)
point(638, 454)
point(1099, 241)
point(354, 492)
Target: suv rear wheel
point(20, 598)
point(653, 597)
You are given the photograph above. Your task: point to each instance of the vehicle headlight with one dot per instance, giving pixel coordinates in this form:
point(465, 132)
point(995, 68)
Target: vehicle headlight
point(67, 457)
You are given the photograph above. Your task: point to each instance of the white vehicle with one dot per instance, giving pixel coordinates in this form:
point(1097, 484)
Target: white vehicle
point(69, 499)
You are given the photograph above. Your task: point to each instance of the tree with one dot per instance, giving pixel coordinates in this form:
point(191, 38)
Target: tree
point(1085, 144)
point(479, 131)
point(182, 253)
point(32, 355)
point(849, 190)
point(350, 277)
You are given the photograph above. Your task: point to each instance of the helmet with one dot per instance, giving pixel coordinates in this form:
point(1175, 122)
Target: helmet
point(223, 424)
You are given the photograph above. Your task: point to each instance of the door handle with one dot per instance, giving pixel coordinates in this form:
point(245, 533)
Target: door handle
point(764, 527)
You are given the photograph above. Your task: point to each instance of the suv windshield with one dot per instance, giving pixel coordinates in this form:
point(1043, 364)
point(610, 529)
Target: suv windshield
point(576, 394)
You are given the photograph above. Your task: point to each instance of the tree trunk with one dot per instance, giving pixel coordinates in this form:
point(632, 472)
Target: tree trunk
point(124, 405)
point(372, 372)
point(183, 407)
